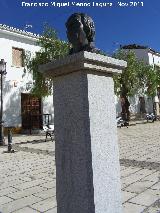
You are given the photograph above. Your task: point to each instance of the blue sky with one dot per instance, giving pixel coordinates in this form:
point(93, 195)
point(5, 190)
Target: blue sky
point(115, 25)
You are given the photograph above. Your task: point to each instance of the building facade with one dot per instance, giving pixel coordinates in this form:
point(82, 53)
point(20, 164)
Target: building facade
point(22, 110)
point(141, 103)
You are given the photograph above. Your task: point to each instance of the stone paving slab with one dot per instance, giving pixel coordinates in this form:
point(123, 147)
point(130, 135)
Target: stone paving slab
point(54, 210)
point(5, 199)
point(145, 198)
point(44, 205)
point(132, 208)
point(27, 177)
point(46, 193)
point(15, 205)
point(26, 210)
point(139, 186)
point(27, 192)
point(154, 208)
point(127, 195)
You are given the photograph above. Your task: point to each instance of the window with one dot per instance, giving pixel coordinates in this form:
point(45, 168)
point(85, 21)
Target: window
point(17, 57)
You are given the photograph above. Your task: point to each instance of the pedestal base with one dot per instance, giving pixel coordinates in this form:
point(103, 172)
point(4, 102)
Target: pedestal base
point(87, 163)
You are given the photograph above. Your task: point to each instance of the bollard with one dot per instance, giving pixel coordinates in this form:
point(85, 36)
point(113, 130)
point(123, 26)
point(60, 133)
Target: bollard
point(10, 140)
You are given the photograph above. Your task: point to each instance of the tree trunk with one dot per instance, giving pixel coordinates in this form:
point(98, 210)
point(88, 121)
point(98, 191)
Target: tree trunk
point(125, 106)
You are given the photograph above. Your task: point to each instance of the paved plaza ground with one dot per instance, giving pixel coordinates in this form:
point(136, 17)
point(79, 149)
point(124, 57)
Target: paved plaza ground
point(27, 177)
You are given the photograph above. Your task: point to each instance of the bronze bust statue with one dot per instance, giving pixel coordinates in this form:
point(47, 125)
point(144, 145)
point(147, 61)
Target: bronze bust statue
point(81, 33)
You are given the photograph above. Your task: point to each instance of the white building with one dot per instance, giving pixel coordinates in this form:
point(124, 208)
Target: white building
point(21, 110)
point(144, 53)
point(142, 102)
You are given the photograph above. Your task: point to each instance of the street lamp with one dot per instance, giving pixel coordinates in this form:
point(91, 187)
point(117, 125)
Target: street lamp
point(2, 73)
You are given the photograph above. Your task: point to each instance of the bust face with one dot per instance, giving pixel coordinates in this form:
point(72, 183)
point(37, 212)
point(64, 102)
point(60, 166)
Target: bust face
point(75, 33)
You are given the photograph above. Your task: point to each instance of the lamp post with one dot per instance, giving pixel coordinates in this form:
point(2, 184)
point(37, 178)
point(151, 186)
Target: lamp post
point(2, 73)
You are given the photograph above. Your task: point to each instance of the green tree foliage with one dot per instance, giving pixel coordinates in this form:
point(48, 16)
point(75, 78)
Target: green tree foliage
point(51, 48)
point(137, 77)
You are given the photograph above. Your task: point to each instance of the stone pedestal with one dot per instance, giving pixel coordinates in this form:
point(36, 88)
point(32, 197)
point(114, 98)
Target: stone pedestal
point(87, 158)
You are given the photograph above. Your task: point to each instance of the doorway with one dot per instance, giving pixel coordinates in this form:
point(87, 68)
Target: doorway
point(31, 111)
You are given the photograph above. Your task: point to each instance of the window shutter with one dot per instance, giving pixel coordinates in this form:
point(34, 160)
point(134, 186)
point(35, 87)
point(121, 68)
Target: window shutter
point(17, 57)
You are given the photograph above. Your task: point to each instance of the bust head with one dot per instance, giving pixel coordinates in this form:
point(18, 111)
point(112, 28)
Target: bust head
point(80, 32)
